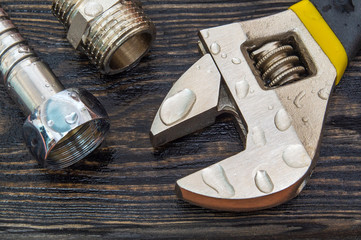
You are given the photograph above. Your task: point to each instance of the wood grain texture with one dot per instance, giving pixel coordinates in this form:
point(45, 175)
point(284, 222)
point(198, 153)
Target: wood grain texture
point(125, 189)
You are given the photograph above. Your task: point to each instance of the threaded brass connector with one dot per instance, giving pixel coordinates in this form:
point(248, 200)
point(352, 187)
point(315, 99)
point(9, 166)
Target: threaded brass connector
point(114, 34)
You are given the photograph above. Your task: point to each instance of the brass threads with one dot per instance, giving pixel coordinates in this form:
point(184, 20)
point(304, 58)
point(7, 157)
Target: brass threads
point(114, 34)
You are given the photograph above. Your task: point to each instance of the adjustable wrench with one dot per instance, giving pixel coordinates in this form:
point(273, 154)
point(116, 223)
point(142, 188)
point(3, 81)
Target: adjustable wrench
point(275, 76)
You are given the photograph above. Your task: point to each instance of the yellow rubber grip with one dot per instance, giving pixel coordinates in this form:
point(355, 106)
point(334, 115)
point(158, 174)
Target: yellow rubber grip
point(323, 34)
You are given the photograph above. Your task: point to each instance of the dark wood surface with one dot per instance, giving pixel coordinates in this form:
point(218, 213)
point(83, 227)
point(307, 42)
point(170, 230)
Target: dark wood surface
point(125, 189)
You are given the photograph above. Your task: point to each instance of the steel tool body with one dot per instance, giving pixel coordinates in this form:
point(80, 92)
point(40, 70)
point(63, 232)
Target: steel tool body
point(275, 76)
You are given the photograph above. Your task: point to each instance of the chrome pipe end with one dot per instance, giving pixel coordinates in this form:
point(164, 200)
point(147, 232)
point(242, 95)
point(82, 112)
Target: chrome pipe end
point(66, 128)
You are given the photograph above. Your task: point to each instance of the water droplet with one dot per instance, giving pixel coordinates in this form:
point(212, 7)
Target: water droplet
point(206, 34)
point(50, 123)
point(270, 107)
point(251, 91)
point(23, 49)
point(198, 67)
point(34, 142)
point(215, 177)
point(288, 98)
point(282, 120)
point(224, 55)
point(71, 118)
point(323, 94)
point(296, 156)
point(93, 9)
point(177, 107)
point(258, 136)
point(47, 85)
point(215, 48)
point(83, 110)
point(242, 88)
point(42, 97)
point(236, 60)
point(305, 119)
point(73, 95)
point(299, 98)
point(263, 181)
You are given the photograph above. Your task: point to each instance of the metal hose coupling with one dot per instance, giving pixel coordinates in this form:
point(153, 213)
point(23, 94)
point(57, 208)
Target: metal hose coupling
point(114, 34)
point(64, 126)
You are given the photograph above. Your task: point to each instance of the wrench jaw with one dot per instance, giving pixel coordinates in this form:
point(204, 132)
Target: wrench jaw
point(190, 105)
point(245, 182)
point(238, 205)
point(281, 124)
point(270, 171)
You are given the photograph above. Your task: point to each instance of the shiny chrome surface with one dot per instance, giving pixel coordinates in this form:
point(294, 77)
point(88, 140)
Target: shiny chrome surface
point(114, 34)
point(281, 125)
point(27, 79)
point(64, 126)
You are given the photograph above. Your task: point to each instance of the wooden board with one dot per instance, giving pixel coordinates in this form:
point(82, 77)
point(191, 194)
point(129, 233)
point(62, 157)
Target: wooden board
point(125, 189)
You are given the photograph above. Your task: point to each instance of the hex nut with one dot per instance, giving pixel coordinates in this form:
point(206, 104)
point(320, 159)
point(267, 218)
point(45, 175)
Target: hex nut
point(88, 11)
point(65, 128)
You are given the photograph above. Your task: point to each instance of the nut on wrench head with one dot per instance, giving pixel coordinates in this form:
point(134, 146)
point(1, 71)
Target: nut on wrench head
point(63, 126)
point(274, 78)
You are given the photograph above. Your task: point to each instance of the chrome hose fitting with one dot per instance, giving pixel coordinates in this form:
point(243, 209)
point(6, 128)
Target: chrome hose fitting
point(64, 126)
point(114, 34)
